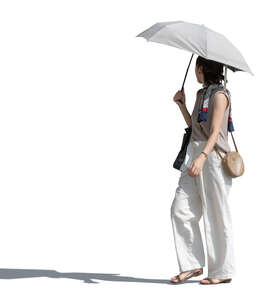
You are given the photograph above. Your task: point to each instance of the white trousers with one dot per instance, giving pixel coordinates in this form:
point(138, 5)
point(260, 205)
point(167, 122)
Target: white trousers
point(204, 195)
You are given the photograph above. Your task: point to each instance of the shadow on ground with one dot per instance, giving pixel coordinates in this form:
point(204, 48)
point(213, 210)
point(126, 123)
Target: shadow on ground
point(85, 277)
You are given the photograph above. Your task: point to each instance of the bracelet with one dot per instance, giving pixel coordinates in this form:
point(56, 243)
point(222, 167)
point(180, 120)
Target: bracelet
point(204, 153)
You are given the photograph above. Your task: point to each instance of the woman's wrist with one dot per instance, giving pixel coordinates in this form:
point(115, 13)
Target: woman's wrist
point(181, 105)
point(204, 154)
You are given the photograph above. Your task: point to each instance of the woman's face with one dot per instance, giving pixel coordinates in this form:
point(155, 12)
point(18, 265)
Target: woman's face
point(199, 74)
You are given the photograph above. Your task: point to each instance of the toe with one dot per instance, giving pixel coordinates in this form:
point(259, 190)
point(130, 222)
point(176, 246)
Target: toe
point(174, 279)
point(205, 281)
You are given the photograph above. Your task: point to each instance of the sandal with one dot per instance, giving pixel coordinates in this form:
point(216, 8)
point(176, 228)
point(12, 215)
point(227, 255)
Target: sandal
point(187, 276)
point(210, 281)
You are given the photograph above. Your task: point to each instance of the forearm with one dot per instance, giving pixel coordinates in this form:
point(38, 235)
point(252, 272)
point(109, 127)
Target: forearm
point(211, 142)
point(186, 114)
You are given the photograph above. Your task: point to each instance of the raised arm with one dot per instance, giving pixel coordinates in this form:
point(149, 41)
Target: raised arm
point(180, 99)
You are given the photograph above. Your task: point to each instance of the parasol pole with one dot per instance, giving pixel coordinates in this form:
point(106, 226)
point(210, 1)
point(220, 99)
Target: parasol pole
point(186, 72)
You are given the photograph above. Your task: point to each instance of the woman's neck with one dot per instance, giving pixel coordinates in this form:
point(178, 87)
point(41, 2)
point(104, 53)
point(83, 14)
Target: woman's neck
point(204, 85)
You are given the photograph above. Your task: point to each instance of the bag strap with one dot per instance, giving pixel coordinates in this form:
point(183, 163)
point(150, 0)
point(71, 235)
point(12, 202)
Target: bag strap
point(214, 145)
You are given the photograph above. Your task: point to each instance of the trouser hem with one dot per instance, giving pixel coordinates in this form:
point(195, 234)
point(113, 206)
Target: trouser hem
point(221, 275)
point(191, 267)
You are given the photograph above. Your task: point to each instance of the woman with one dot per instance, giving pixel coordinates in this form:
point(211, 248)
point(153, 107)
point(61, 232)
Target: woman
point(203, 186)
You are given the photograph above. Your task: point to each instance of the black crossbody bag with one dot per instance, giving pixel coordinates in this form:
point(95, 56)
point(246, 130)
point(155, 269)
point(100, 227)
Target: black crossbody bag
point(181, 155)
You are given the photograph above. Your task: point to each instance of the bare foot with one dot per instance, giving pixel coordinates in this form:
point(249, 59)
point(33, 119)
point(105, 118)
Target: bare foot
point(185, 274)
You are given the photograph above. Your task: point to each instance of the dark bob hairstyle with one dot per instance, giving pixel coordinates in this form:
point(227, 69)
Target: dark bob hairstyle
point(212, 70)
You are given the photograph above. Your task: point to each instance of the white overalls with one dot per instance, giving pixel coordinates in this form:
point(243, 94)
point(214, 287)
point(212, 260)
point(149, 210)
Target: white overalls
point(204, 195)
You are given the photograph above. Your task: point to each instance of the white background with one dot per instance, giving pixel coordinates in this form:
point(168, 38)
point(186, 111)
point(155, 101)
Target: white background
point(88, 136)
